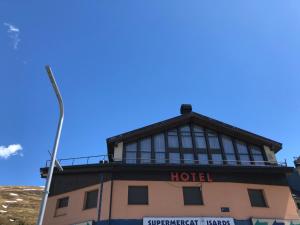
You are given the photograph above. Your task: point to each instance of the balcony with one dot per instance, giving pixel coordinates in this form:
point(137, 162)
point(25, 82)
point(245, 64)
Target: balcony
point(104, 159)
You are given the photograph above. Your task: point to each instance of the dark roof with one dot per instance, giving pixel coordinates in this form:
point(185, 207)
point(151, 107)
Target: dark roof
point(197, 119)
point(122, 167)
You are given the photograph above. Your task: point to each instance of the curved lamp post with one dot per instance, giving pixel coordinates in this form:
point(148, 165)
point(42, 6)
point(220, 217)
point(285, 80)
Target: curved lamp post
point(53, 161)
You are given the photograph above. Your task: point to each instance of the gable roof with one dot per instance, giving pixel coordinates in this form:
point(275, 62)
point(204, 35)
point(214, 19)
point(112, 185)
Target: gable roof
point(196, 118)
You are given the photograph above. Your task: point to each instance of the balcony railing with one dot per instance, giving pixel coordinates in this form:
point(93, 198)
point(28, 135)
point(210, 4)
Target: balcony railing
point(85, 160)
point(102, 159)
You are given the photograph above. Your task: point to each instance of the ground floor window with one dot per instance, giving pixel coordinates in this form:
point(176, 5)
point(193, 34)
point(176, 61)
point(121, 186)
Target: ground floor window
point(192, 196)
point(63, 202)
point(137, 195)
point(257, 198)
point(91, 198)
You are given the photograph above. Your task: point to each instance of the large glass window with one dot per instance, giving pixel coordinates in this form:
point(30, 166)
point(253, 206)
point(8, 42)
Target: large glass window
point(188, 158)
point(173, 139)
point(243, 153)
point(159, 148)
point(199, 137)
point(202, 158)
point(145, 146)
point(174, 158)
point(257, 155)
point(186, 138)
point(229, 150)
point(215, 150)
point(131, 150)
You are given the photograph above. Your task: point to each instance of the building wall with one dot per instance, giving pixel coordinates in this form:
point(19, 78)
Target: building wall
point(166, 199)
point(74, 213)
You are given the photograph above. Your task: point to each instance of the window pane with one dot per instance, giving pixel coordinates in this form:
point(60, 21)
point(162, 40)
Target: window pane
point(213, 140)
point(137, 195)
point(91, 199)
point(131, 147)
point(188, 158)
point(257, 198)
point(227, 143)
point(172, 139)
point(159, 143)
point(186, 138)
point(160, 158)
point(217, 158)
point(174, 158)
point(245, 160)
point(145, 157)
point(231, 160)
point(200, 142)
point(198, 129)
point(256, 150)
point(130, 157)
point(199, 137)
point(146, 145)
point(192, 196)
point(203, 159)
point(241, 147)
point(258, 160)
point(63, 202)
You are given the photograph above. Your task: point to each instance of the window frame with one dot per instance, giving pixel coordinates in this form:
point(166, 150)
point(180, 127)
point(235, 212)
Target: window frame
point(201, 200)
point(85, 199)
point(131, 202)
point(60, 199)
point(262, 192)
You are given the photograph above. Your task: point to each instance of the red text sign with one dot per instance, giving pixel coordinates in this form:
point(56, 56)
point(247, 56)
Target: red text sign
point(191, 177)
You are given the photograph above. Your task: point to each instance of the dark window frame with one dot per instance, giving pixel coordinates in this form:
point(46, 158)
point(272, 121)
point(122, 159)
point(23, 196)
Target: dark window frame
point(263, 204)
point(144, 201)
point(190, 200)
point(60, 201)
point(85, 207)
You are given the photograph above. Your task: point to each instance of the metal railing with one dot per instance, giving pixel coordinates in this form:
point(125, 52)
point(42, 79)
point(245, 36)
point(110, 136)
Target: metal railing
point(201, 162)
point(101, 159)
point(85, 160)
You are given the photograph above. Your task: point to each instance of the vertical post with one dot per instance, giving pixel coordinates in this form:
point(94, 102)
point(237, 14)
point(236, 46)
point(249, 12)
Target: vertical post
point(55, 146)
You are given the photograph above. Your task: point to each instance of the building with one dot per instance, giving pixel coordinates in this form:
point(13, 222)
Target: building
point(294, 183)
point(187, 170)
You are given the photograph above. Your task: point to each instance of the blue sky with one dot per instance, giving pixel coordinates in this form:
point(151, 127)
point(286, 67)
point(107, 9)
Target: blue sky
point(125, 64)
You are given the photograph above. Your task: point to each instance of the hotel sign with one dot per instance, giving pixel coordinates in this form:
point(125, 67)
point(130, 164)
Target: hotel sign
point(191, 176)
point(188, 221)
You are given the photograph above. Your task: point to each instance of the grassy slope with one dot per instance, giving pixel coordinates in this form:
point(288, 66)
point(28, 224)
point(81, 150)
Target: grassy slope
point(22, 212)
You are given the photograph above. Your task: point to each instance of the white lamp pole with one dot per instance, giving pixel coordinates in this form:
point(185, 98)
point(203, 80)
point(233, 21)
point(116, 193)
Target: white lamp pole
point(54, 151)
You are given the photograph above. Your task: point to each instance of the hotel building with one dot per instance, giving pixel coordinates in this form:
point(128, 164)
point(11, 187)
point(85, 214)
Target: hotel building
point(187, 170)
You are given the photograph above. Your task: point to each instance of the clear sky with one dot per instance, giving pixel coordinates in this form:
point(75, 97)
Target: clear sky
point(124, 64)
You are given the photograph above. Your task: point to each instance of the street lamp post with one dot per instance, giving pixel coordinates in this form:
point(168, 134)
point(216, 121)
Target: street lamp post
point(53, 161)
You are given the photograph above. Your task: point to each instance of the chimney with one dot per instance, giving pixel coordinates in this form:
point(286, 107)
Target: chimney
point(297, 164)
point(185, 109)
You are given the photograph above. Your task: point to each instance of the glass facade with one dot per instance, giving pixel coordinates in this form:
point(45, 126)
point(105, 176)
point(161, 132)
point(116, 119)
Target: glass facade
point(192, 144)
point(229, 150)
point(159, 148)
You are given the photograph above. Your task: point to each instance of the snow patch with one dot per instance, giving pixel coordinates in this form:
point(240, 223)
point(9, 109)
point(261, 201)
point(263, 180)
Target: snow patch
point(13, 194)
point(4, 206)
point(2, 211)
point(10, 201)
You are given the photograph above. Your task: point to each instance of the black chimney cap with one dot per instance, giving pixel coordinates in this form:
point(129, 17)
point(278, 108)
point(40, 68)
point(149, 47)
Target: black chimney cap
point(185, 108)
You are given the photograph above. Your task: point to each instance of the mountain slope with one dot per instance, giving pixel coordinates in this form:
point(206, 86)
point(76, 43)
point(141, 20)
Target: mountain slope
point(19, 204)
